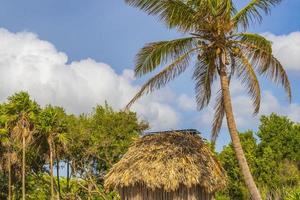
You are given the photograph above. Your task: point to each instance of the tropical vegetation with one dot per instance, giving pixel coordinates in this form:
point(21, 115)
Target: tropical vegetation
point(34, 139)
point(84, 148)
point(48, 153)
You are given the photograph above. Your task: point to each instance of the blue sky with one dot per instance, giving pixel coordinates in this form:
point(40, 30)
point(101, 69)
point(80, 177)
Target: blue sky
point(111, 32)
point(105, 30)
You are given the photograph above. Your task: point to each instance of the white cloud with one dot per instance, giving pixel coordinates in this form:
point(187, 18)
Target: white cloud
point(287, 49)
point(30, 64)
point(243, 111)
point(186, 103)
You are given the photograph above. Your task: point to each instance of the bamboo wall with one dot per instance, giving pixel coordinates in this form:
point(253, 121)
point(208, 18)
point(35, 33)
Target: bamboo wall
point(140, 192)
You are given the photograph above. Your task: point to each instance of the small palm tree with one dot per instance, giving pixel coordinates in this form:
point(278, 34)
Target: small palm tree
point(223, 49)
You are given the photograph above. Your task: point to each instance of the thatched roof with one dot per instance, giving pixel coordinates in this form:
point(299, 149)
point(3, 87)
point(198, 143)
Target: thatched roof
point(168, 160)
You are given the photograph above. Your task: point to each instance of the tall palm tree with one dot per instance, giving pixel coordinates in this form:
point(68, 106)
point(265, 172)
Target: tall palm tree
point(21, 130)
point(21, 111)
point(223, 49)
point(52, 127)
point(10, 157)
point(5, 147)
point(10, 161)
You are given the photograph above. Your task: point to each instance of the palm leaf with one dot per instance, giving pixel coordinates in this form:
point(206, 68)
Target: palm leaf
point(218, 117)
point(204, 75)
point(157, 53)
point(275, 71)
point(259, 51)
point(246, 73)
point(174, 13)
point(256, 41)
point(162, 78)
point(222, 8)
point(252, 12)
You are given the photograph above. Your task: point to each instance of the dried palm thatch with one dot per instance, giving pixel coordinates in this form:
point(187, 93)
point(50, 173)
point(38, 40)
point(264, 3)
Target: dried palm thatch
point(168, 161)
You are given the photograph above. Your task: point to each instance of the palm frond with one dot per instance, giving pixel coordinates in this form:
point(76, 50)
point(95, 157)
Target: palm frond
point(218, 117)
point(149, 6)
point(256, 41)
point(175, 13)
point(204, 73)
point(224, 8)
point(252, 12)
point(259, 51)
point(246, 74)
point(162, 78)
point(275, 71)
point(157, 53)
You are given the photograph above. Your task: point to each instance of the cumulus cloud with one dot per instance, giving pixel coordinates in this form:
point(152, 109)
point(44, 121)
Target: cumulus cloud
point(287, 49)
point(243, 110)
point(30, 64)
point(186, 103)
point(242, 107)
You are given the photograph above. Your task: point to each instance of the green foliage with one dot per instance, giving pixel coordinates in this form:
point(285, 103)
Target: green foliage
point(237, 188)
point(274, 160)
point(20, 104)
point(282, 135)
point(38, 187)
point(88, 145)
point(92, 143)
point(52, 127)
point(115, 130)
point(293, 194)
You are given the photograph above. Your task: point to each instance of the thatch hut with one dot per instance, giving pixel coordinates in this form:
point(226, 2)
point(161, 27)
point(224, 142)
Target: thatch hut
point(172, 165)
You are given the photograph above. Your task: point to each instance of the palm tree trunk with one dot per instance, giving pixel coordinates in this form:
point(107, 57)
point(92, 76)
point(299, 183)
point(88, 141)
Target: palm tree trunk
point(235, 137)
point(51, 169)
point(23, 166)
point(58, 180)
point(68, 175)
point(9, 176)
point(89, 191)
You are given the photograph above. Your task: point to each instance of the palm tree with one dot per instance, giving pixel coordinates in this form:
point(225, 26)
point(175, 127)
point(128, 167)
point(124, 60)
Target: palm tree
point(21, 111)
point(5, 153)
point(223, 49)
point(52, 126)
point(5, 147)
point(8, 156)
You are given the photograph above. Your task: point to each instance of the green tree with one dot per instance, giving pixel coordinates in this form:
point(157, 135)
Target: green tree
point(236, 188)
point(98, 140)
point(89, 143)
point(22, 112)
point(281, 135)
point(52, 125)
point(278, 150)
point(5, 152)
point(116, 131)
point(273, 160)
point(222, 52)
